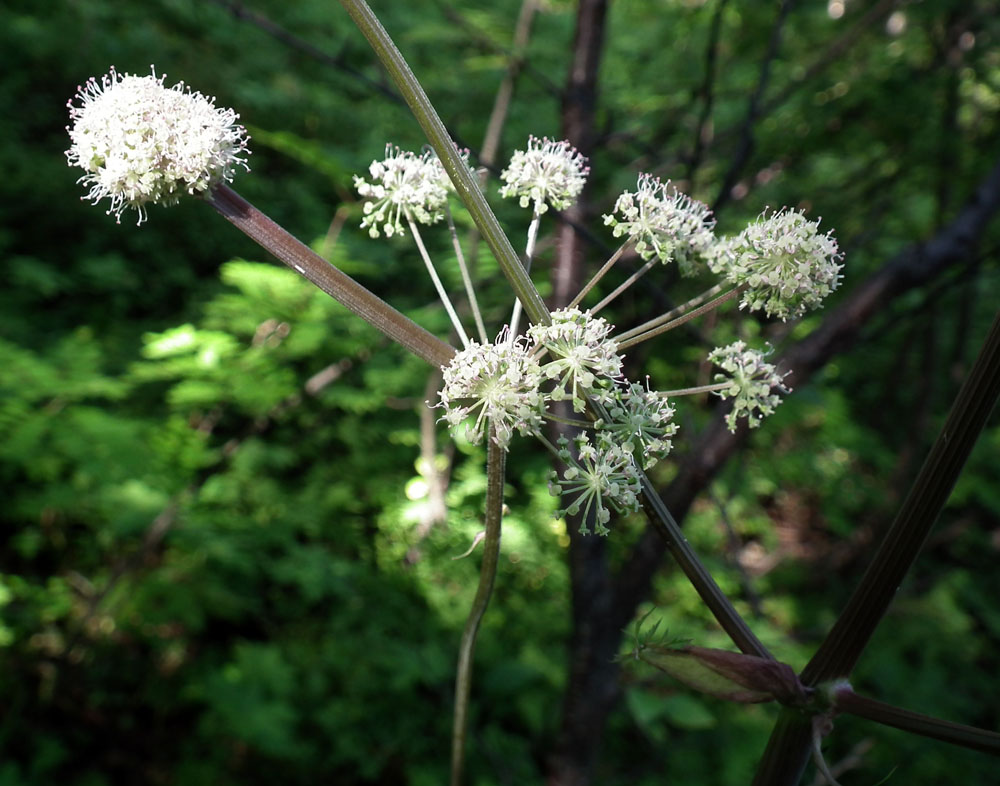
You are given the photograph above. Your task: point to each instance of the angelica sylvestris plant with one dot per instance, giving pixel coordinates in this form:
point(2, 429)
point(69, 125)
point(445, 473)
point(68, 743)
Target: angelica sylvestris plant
point(140, 143)
point(780, 265)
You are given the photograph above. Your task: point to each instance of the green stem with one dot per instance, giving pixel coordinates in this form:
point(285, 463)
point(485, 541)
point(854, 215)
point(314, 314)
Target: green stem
point(846, 700)
point(840, 650)
point(643, 333)
point(710, 592)
point(610, 298)
point(341, 287)
point(599, 275)
point(529, 253)
point(442, 293)
point(695, 390)
point(462, 178)
point(495, 459)
point(470, 290)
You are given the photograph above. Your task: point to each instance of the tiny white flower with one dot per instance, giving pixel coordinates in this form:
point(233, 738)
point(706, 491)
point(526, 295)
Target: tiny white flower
point(547, 173)
point(784, 262)
point(402, 184)
point(595, 479)
point(585, 359)
point(751, 382)
point(664, 223)
point(640, 418)
point(495, 382)
point(140, 142)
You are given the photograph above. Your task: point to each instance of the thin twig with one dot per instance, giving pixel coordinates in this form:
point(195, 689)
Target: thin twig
point(456, 167)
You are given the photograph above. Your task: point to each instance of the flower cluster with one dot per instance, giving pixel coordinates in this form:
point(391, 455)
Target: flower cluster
point(504, 382)
point(664, 223)
point(595, 478)
point(750, 382)
point(403, 185)
point(784, 263)
point(142, 143)
point(584, 358)
point(547, 173)
point(640, 420)
point(498, 382)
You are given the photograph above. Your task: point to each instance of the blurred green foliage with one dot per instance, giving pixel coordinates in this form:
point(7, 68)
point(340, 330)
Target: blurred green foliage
point(220, 561)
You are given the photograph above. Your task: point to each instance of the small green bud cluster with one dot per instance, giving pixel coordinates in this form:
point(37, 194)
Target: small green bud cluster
point(750, 383)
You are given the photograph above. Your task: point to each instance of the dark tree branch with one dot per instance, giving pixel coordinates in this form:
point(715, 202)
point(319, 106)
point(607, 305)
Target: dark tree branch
point(747, 131)
point(706, 94)
point(593, 676)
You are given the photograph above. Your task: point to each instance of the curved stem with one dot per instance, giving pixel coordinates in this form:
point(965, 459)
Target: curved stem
point(529, 253)
point(337, 284)
point(463, 180)
point(442, 294)
point(495, 459)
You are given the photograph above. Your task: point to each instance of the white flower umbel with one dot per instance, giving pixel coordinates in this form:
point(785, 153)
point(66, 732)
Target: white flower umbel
point(595, 479)
point(784, 264)
point(547, 173)
point(664, 223)
point(585, 361)
point(495, 382)
point(411, 188)
point(749, 381)
point(640, 418)
point(141, 143)
point(402, 184)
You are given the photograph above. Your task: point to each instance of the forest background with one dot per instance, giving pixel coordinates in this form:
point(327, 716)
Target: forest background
point(229, 518)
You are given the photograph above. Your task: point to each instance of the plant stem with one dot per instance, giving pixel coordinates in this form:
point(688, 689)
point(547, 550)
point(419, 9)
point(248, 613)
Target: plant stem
point(710, 592)
point(529, 253)
point(341, 287)
point(599, 275)
point(846, 700)
point(694, 391)
point(609, 299)
point(442, 294)
point(463, 180)
point(470, 290)
point(840, 650)
point(495, 459)
point(647, 331)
